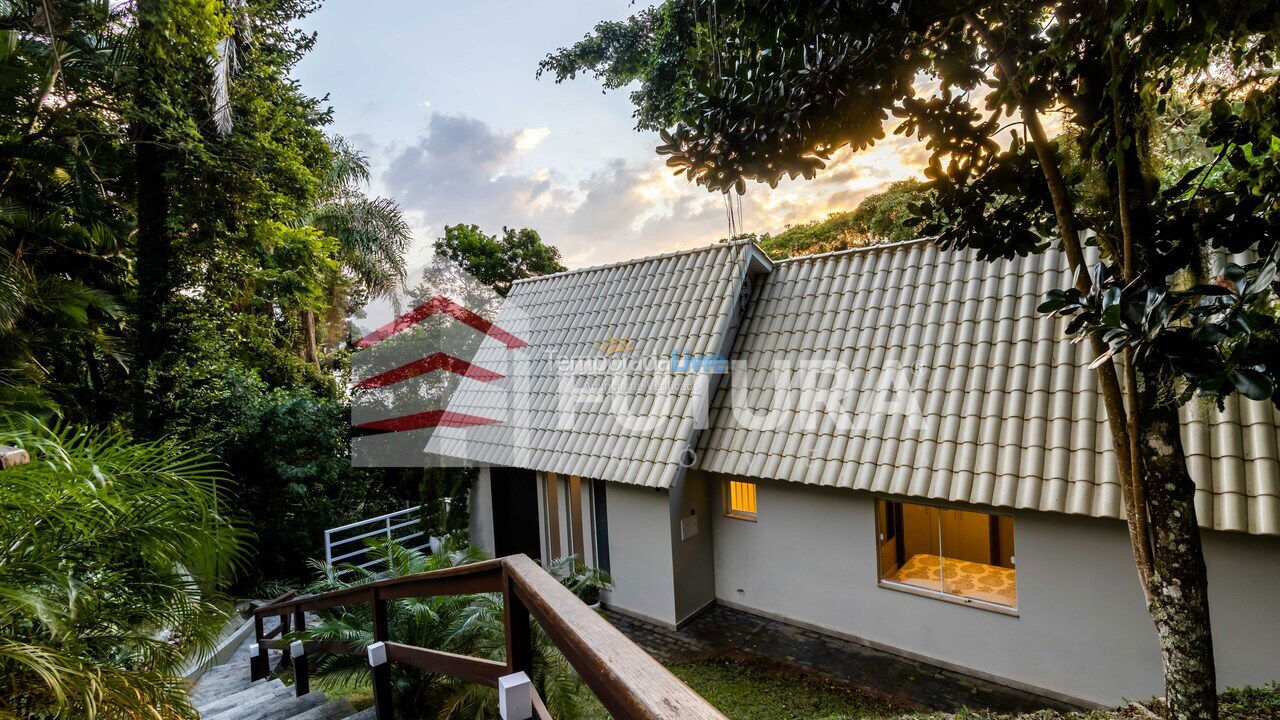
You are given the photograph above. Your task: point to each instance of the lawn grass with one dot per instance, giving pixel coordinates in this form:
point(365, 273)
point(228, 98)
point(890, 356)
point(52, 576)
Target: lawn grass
point(757, 689)
point(746, 688)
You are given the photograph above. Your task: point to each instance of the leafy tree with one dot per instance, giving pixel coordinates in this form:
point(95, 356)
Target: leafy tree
point(751, 90)
point(879, 218)
point(108, 551)
point(446, 492)
point(372, 236)
point(288, 449)
point(146, 242)
point(495, 261)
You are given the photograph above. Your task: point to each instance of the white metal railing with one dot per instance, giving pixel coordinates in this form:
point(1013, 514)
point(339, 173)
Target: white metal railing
point(398, 526)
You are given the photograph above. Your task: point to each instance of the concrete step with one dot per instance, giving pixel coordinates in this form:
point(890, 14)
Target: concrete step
point(365, 714)
point(277, 708)
point(215, 685)
point(255, 694)
point(224, 692)
point(331, 710)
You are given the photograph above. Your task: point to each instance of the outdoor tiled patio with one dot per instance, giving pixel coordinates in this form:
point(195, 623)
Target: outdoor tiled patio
point(722, 630)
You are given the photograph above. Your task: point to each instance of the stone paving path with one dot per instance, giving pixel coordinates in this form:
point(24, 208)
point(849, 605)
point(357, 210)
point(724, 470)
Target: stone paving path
point(722, 630)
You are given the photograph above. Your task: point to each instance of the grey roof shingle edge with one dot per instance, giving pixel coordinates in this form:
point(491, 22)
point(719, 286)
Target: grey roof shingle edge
point(1011, 414)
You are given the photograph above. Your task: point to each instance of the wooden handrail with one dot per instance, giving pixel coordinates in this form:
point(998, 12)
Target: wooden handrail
point(630, 683)
point(480, 577)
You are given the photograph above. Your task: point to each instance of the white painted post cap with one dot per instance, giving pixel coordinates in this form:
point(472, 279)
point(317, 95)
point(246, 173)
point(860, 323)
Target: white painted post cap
point(515, 697)
point(377, 654)
point(296, 648)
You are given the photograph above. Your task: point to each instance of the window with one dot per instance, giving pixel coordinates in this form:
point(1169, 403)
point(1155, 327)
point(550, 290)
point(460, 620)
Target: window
point(955, 554)
point(568, 517)
point(740, 499)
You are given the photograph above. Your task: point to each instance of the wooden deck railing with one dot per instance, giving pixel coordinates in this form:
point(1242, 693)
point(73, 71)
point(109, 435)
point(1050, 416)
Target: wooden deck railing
point(628, 681)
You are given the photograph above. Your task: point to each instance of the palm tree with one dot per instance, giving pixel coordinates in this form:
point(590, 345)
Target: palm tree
point(464, 624)
point(109, 551)
point(372, 237)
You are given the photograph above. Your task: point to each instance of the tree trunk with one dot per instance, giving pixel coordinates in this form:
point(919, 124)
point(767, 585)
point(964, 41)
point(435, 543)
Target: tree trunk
point(309, 351)
point(1158, 491)
point(155, 256)
point(1179, 583)
point(154, 275)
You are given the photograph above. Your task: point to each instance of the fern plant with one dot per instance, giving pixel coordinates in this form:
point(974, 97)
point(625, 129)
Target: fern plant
point(109, 554)
point(463, 624)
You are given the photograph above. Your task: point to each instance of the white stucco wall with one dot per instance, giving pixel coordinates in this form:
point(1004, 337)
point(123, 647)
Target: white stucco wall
point(640, 552)
point(1082, 628)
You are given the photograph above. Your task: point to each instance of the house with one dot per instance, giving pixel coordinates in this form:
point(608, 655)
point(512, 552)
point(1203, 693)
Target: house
point(885, 444)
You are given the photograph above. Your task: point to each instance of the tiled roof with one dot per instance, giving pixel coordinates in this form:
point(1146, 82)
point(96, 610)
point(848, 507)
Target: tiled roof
point(1009, 413)
point(603, 317)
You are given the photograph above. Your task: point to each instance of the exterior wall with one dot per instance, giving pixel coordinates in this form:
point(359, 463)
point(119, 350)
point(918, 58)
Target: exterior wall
point(640, 553)
point(1082, 629)
point(481, 503)
point(693, 559)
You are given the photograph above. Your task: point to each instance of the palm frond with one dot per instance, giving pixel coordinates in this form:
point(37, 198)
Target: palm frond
point(109, 553)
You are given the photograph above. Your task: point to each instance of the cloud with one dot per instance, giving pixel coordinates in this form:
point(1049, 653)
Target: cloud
point(463, 170)
point(530, 138)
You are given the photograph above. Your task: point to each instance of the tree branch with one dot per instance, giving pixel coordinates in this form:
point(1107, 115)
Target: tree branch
point(1064, 211)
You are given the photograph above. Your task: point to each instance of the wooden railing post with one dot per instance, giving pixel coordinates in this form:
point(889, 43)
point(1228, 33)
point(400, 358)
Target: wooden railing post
point(285, 658)
point(380, 668)
point(519, 629)
point(258, 663)
point(301, 668)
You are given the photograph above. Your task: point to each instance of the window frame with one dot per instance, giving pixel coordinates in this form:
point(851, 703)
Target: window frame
point(1008, 610)
point(726, 499)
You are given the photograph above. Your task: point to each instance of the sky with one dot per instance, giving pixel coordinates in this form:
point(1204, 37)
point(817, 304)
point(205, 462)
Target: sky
point(444, 100)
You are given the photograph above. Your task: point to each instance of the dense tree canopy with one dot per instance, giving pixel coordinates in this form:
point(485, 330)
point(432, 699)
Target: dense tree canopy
point(498, 261)
point(883, 217)
point(181, 248)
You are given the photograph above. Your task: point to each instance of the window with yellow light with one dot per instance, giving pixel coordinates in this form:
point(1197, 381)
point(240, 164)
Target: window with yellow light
point(740, 499)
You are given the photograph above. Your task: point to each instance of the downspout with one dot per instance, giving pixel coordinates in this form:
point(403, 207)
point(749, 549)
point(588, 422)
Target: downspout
point(756, 263)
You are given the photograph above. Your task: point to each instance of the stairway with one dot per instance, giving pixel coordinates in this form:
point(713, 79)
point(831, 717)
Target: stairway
point(225, 692)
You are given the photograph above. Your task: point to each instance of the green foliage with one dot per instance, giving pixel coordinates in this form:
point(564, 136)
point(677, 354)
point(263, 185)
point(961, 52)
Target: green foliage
point(585, 582)
point(879, 218)
point(747, 688)
point(265, 227)
point(497, 262)
point(773, 89)
point(288, 448)
point(372, 234)
point(463, 624)
point(108, 553)
point(162, 263)
point(446, 493)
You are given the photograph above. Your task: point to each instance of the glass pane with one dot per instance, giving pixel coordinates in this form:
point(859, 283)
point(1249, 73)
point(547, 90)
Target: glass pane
point(909, 546)
point(742, 497)
point(977, 556)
